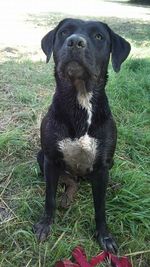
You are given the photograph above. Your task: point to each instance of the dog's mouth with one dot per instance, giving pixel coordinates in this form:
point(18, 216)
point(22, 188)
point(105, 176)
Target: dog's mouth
point(74, 71)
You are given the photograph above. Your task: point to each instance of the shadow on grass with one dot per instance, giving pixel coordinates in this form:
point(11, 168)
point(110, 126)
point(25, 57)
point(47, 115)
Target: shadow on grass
point(137, 31)
point(144, 3)
point(138, 3)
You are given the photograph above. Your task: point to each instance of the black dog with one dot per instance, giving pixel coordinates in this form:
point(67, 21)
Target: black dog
point(78, 134)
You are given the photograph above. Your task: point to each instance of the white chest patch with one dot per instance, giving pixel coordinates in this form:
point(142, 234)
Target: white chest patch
point(79, 154)
point(84, 99)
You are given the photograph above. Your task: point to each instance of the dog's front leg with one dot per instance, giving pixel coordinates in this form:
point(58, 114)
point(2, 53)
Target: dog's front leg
point(99, 182)
point(51, 173)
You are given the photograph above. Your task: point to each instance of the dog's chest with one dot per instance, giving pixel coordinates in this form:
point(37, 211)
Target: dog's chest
point(79, 154)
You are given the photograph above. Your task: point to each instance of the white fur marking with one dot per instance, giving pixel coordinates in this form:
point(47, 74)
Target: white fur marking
point(79, 154)
point(84, 101)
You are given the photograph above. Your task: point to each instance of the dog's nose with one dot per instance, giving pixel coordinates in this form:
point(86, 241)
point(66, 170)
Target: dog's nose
point(76, 41)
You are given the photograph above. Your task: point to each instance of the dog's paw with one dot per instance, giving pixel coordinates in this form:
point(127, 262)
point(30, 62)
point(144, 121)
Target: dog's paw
point(107, 243)
point(41, 230)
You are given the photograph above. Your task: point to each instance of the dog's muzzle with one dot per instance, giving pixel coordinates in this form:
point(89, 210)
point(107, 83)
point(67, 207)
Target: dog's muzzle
point(76, 61)
point(75, 46)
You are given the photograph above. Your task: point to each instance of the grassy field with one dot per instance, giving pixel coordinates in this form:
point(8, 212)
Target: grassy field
point(26, 89)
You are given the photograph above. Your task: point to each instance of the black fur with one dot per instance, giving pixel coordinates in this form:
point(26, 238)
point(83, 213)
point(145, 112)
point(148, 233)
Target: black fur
point(88, 45)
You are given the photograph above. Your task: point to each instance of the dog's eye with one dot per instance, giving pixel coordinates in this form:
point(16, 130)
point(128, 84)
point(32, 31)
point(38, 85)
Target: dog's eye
point(64, 33)
point(98, 36)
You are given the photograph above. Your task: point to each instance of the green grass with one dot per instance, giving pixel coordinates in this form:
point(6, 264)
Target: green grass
point(26, 89)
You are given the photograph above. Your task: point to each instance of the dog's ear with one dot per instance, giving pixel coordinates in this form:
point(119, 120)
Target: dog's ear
point(120, 50)
point(47, 44)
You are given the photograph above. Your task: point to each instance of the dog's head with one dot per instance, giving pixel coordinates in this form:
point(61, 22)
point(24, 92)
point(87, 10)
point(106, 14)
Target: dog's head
point(82, 48)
